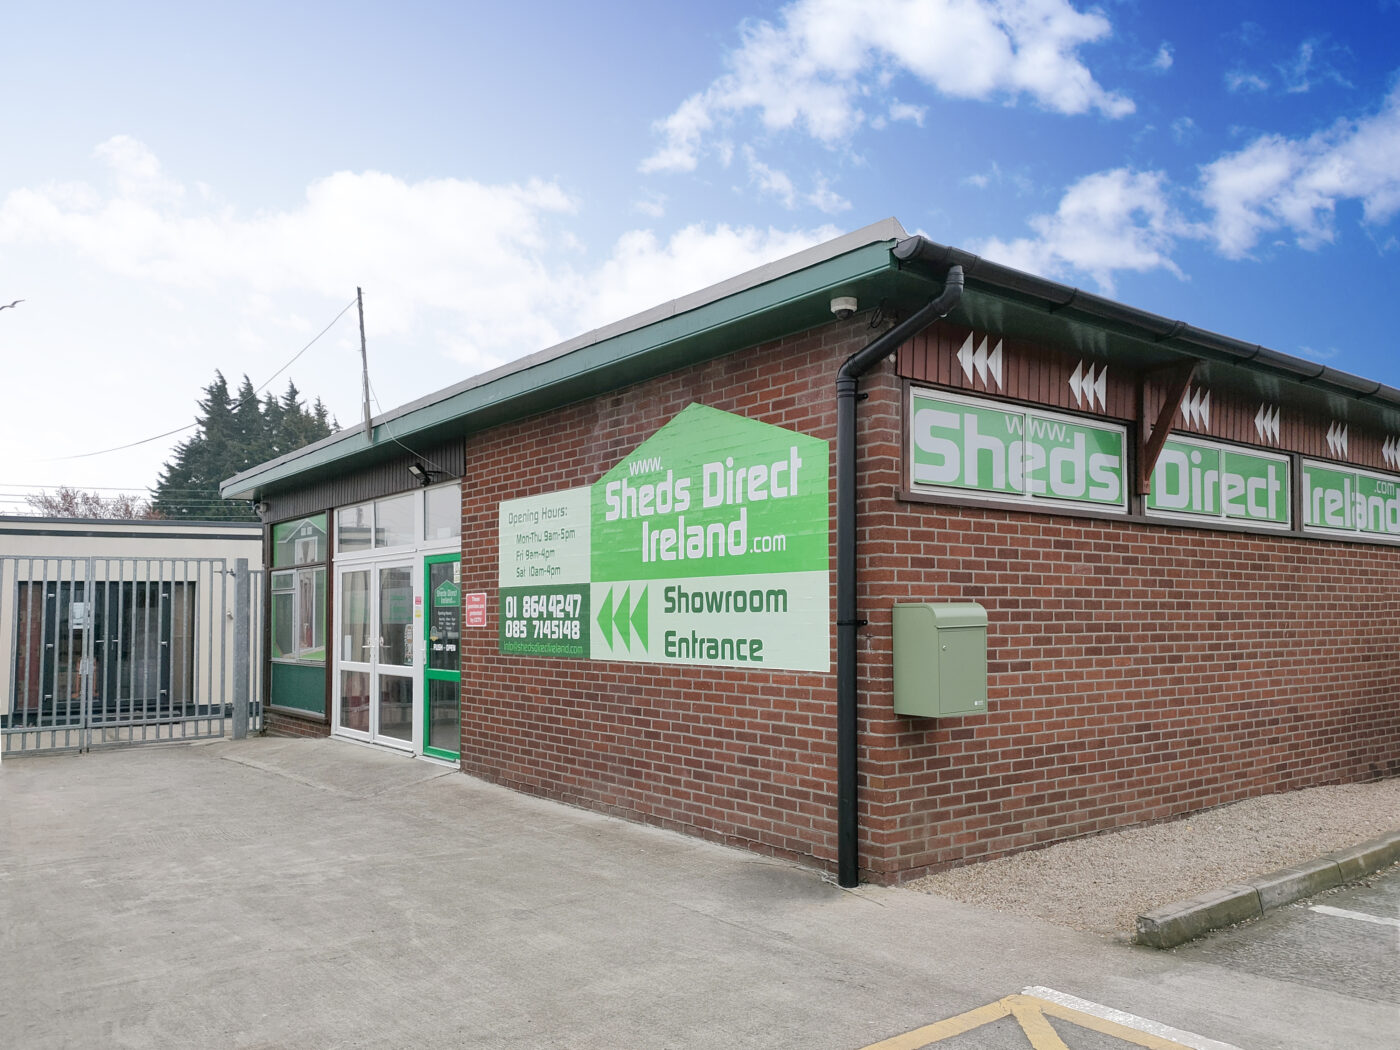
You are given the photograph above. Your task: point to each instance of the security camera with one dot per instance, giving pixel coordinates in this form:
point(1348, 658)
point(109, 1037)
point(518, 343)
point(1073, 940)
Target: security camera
point(843, 306)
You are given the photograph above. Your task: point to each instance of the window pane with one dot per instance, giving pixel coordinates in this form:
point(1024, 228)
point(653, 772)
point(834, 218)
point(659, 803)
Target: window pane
point(443, 515)
point(282, 646)
point(396, 617)
point(396, 707)
point(354, 528)
point(394, 521)
point(354, 616)
point(311, 615)
point(354, 700)
point(444, 616)
point(299, 542)
point(443, 732)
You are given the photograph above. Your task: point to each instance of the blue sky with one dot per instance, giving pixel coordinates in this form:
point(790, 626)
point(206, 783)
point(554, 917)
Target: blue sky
point(187, 187)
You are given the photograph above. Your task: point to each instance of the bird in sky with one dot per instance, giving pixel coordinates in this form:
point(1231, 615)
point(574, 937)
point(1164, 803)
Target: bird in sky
point(8, 305)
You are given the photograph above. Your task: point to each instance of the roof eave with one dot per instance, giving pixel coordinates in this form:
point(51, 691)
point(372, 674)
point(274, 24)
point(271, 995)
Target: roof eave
point(770, 301)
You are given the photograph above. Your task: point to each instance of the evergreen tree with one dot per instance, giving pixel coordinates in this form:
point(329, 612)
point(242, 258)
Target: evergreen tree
point(234, 435)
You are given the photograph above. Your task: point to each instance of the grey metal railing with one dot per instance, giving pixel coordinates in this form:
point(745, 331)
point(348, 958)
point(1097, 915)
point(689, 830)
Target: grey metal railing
point(103, 651)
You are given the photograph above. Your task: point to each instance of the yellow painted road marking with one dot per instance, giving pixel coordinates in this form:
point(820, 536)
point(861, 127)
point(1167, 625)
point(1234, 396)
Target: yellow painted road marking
point(1032, 1013)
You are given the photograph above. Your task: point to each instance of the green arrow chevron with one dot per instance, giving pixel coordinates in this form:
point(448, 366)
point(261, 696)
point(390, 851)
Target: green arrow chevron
point(624, 629)
point(617, 620)
point(639, 618)
point(605, 616)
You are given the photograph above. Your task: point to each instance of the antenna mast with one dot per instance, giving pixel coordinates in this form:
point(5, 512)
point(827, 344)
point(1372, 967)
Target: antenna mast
point(364, 365)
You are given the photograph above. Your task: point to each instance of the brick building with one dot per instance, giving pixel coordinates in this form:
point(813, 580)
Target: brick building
point(654, 571)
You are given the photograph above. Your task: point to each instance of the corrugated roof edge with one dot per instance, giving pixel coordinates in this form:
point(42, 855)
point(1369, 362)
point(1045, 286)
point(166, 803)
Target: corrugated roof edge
point(1176, 335)
point(885, 230)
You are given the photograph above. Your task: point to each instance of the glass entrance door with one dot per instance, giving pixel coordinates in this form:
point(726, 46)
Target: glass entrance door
point(442, 675)
point(374, 684)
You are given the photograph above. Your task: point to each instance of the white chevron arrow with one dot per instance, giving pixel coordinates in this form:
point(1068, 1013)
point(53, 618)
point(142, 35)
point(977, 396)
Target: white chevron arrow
point(1266, 422)
point(979, 360)
point(1337, 439)
point(1390, 450)
point(965, 357)
point(994, 363)
point(1195, 408)
point(1090, 386)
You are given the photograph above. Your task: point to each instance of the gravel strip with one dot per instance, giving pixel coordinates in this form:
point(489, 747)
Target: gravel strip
point(1103, 883)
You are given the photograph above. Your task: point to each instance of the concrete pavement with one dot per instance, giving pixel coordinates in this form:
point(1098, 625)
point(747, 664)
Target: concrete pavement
point(286, 893)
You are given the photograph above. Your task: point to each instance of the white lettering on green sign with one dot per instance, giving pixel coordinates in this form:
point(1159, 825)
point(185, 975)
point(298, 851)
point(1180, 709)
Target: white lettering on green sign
point(1206, 479)
point(1345, 500)
point(707, 545)
point(1010, 452)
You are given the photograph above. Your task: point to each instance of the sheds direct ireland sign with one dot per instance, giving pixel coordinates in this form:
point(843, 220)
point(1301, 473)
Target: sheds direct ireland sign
point(707, 545)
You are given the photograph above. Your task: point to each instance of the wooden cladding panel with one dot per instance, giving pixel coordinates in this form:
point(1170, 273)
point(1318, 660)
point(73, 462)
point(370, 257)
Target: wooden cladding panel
point(382, 479)
point(1041, 375)
point(1029, 372)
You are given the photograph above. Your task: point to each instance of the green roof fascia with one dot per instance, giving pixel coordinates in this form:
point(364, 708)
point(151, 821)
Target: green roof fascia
point(787, 304)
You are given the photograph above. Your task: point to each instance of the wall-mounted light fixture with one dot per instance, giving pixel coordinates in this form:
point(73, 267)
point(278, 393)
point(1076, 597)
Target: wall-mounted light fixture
point(424, 476)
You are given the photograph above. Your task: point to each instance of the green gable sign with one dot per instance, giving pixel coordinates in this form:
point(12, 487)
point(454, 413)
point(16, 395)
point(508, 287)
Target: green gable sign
point(706, 545)
point(447, 593)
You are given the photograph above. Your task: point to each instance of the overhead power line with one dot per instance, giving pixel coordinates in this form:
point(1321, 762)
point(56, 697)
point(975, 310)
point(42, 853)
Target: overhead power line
point(191, 426)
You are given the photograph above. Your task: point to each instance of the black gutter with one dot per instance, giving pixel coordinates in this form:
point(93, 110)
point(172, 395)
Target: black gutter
point(847, 694)
point(1059, 299)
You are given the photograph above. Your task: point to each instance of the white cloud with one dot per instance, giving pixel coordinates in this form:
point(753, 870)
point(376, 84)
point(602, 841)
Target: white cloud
point(643, 271)
point(139, 287)
point(1241, 81)
point(1309, 68)
point(1119, 220)
point(772, 182)
point(827, 200)
point(1183, 128)
point(907, 111)
point(1276, 183)
point(1106, 222)
point(815, 71)
point(779, 184)
point(1162, 60)
point(651, 204)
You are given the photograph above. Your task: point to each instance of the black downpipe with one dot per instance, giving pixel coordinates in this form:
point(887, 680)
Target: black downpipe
point(847, 696)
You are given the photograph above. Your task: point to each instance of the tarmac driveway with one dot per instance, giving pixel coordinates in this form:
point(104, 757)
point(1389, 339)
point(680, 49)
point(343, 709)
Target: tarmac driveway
point(288, 893)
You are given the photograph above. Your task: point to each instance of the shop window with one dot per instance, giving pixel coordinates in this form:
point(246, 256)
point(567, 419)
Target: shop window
point(354, 528)
point(442, 512)
point(394, 520)
point(399, 521)
point(299, 615)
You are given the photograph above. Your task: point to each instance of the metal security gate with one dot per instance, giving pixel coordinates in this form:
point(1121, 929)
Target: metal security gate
point(108, 651)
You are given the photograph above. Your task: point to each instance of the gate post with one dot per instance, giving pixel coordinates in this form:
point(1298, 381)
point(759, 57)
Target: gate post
point(242, 647)
point(87, 659)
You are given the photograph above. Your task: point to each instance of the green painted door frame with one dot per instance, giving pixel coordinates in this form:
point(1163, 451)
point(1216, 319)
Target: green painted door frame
point(442, 674)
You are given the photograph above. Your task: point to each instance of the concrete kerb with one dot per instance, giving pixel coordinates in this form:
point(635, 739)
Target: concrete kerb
point(1175, 924)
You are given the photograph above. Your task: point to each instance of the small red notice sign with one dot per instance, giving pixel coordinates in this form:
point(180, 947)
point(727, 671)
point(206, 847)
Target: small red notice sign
point(475, 602)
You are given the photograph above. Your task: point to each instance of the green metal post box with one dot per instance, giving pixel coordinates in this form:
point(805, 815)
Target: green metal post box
point(940, 660)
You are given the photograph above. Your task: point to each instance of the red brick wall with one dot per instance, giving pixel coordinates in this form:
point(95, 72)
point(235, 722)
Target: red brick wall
point(736, 756)
point(277, 724)
point(1137, 672)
